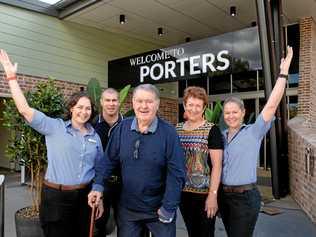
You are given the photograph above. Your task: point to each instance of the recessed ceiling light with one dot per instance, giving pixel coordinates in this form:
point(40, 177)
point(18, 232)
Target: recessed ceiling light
point(51, 2)
point(160, 31)
point(233, 11)
point(122, 19)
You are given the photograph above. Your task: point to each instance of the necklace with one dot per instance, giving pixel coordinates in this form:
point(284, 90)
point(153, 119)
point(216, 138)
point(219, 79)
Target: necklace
point(194, 125)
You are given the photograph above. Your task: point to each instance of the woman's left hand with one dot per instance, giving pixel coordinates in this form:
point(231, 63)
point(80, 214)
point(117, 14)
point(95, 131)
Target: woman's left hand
point(211, 205)
point(286, 62)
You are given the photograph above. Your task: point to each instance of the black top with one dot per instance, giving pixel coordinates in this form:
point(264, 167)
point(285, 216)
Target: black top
point(215, 138)
point(104, 130)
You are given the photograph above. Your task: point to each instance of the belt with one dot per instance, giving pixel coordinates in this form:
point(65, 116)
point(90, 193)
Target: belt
point(238, 188)
point(63, 187)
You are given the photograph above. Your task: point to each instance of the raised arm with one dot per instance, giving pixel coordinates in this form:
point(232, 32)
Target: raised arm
point(19, 99)
point(278, 90)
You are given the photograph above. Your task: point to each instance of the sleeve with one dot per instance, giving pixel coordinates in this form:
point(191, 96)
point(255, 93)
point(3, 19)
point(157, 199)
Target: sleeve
point(43, 124)
point(215, 139)
point(105, 166)
point(176, 173)
point(260, 127)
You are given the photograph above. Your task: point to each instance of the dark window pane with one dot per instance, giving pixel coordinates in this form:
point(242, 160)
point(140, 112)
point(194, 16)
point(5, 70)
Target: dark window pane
point(201, 82)
point(245, 81)
point(181, 111)
point(181, 86)
point(293, 80)
point(261, 80)
point(219, 84)
point(250, 107)
point(292, 106)
point(293, 39)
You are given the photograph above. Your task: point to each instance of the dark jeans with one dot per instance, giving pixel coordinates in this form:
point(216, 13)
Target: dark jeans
point(65, 213)
point(239, 212)
point(111, 199)
point(133, 224)
point(195, 218)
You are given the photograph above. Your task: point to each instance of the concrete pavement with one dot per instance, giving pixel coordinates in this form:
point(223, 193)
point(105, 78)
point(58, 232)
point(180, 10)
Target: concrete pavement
point(292, 222)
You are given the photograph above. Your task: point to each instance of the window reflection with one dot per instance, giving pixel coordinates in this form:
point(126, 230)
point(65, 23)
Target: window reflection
point(292, 106)
point(245, 81)
point(219, 85)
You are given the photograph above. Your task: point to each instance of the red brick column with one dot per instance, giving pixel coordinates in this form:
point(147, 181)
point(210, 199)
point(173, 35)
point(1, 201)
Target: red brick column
point(302, 129)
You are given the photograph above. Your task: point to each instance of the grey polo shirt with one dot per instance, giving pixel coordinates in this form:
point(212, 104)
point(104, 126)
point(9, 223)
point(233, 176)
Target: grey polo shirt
point(241, 153)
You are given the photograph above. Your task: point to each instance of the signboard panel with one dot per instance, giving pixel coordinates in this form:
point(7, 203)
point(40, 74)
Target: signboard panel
point(224, 54)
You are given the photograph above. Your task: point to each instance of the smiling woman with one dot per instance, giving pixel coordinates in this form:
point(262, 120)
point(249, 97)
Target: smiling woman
point(73, 147)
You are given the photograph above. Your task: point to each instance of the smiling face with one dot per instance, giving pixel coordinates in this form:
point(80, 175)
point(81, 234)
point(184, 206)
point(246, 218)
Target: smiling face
point(233, 115)
point(194, 109)
point(81, 111)
point(110, 103)
point(145, 105)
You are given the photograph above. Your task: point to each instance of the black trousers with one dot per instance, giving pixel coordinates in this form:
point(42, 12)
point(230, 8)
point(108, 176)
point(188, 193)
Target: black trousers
point(239, 212)
point(195, 218)
point(110, 199)
point(65, 213)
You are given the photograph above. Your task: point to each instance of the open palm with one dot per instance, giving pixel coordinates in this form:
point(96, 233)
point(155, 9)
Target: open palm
point(9, 68)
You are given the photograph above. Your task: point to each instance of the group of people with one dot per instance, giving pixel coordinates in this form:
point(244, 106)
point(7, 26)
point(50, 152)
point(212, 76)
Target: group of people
point(146, 168)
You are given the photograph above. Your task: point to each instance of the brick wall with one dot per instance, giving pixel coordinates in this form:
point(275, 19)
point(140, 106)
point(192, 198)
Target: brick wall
point(302, 129)
point(168, 107)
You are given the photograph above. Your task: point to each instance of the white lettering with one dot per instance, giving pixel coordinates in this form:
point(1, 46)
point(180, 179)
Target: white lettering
point(223, 60)
point(209, 63)
point(182, 61)
point(152, 75)
point(193, 65)
point(144, 71)
point(169, 68)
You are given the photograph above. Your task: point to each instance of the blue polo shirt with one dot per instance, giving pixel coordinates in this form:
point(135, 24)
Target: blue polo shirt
point(152, 166)
point(242, 152)
point(71, 156)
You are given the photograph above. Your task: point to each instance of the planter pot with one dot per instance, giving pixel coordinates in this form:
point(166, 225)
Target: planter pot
point(27, 226)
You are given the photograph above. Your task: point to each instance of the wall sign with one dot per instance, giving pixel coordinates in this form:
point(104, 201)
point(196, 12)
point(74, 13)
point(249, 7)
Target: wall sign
point(227, 53)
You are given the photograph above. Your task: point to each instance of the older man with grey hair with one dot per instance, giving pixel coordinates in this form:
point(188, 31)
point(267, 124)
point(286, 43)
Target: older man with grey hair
point(151, 158)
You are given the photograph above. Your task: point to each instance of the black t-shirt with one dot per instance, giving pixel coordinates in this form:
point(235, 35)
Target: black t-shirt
point(215, 138)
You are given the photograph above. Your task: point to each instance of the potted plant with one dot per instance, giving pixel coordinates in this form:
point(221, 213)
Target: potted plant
point(28, 147)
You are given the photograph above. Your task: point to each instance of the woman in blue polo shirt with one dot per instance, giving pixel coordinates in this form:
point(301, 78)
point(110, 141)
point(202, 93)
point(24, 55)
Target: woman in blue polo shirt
point(73, 147)
point(240, 199)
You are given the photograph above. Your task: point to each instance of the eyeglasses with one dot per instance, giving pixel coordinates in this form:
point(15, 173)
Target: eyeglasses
point(136, 149)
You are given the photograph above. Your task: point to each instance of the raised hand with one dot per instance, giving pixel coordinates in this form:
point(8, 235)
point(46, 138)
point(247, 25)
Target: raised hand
point(9, 68)
point(286, 62)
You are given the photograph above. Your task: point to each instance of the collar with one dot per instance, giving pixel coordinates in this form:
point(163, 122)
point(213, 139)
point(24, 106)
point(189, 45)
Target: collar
point(151, 129)
point(71, 130)
point(101, 119)
point(226, 133)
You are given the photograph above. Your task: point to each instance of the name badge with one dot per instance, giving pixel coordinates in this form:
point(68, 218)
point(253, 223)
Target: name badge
point(91, 140)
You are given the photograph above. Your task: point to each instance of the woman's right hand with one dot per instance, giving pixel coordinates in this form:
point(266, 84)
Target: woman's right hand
point(9, 68)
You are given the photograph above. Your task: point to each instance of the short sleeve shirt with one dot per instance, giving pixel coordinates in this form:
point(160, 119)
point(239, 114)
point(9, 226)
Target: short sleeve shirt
point(196, 144)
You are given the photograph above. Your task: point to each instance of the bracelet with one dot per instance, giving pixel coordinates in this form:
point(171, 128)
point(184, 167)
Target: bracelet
point(11, 78)
point(213, 192)
point(285, 76)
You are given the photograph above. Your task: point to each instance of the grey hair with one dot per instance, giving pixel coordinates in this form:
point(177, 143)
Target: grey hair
point(235, 100)
point(147, 87)
point(110, 91)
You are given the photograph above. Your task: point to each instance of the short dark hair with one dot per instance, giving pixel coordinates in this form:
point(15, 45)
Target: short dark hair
point(73, 100)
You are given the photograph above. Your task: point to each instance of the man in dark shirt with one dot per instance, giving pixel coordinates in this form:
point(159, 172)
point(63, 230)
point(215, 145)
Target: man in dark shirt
point(152, 167)
point(105, 122)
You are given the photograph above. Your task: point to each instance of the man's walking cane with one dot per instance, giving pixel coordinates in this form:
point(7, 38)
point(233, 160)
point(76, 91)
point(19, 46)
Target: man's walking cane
point(92, 221)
